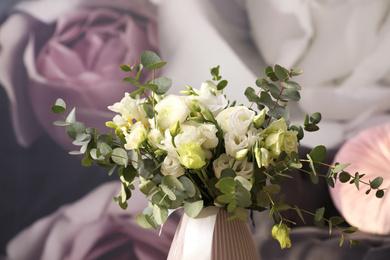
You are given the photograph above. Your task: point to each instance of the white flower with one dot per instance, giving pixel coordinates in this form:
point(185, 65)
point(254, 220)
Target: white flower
point(209, 133)
point(171, 166)
point(167, 145)
point(137, 135)
point(243, 168)
point(189, 131)
point(155, 137)
point(131, 109)
point(222, 162)
point(121, 122)
point(213, 99)
point(169, 110)
point(235, 119)
point(253, 135)
point(235, 143)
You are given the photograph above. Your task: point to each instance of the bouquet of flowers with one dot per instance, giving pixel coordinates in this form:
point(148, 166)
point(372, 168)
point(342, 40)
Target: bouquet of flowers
point(199, 149)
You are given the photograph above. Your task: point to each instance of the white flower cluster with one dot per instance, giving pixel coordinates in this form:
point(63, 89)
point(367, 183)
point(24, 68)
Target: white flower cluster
point(183, 133)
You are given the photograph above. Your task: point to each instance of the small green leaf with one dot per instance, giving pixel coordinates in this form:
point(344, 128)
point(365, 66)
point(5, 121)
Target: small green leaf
point(291, 85)
point(350, 230)
point(356, 180)
point(59, 107)
point(145, 221)
point(296, 72)
point(226, 185)
point(163, 84)
point(225, 198)
point(290, 95)
point(193, 207)
point(376, 183)
point(189, 187)
point(125, 68)
point(118, 200)
point(146, 187)
point(152, 87)
point(119, 156)
point(228, 172)
point(272, 189)
point(263, 199)
point(172, 182)
point(136, 92)
point(222, 84)
point(281, 73)
point(298, 210)
point(71, 119)
point(344, 177)
point(330, 182)
point(60, 123)
point(112, 169)
point(311, 127)
point(315, 118)
point(251, 95)
point(131, 80)
point(151, 60)
point(160, 214)
point(379, 194)
point(339, 167)
point(319, 214)
point(168, 191)
point(337, 220)
point(260, 82)
point(341, 240)
point(87, 161)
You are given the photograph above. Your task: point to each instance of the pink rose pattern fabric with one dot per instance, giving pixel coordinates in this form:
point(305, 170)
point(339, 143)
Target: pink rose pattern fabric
point(94, 228)
point(76, 58)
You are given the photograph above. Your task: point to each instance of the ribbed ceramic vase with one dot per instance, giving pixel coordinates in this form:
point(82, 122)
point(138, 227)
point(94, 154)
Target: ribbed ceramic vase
point(211, 237)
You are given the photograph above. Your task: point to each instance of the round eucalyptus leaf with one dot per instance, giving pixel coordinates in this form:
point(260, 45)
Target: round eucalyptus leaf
point(163, 84)
point(193, 207)
point(119, 156)
point(172, 182)
point(241, 181)
point(315, 118)
point(145, 221)
point(168, 191)
point(188, 185)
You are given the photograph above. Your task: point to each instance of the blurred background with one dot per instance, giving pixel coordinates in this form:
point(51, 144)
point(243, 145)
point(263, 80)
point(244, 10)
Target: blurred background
point(73, 48)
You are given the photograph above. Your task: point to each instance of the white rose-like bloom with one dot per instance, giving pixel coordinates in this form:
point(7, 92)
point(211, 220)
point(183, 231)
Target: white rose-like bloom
point(138, 134)
point(131, 109)
point(235, 143)
point(211, 97)
point(209, 133)
point(243, 168)
point(121, 122)
point(222, 162)
point(155, 137)
point(253, 135)
point(169, 110)
point(235, 119)
point(188, 132)
point(171, 166)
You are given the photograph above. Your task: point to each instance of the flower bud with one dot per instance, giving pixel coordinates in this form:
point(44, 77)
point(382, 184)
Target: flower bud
point(174, 130)
point(111, 124)
point(281, 233)
point(240, 154)
point(258, 120)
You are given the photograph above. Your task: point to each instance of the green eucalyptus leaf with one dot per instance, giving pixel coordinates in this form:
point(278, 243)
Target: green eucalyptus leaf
point(59, 107)
point(299, 129)
point(251, 95)
point(350, 230)
point(134, 94)
point(188, 185)
point(160, 214)
point(118, 200)
point(131, 80)
point(339, 167)
point(319, 214)
point(193, 207)
point(60, 123)
point(241, 181)
point(225, 198)
point(87, 161)
point(228, 172)
point(290, 95)
point(226, 185)
point(222, 84)
point(71, 119)
point(280, 112)
point(296, 72)
point(291, 85)
point(263, 199)
point(281, 72)
point(336, 220)
point(272, 189)
point(74, 129)
point(232, 206)
point(149, 112)
point(151, 60)
point(260, 82)
point(163, 84)
point(119, 156)
point(152, 87)
point(112, 169)
point(146, 187)
point(178, 202)
point(172, 182)
point(315, 118)
point(266, 99)
point(379, 194)
point(318, 155)
point(330, 182)
point(168, 191)
point(125, 68)
point(344, 177)
point(376, 183)
point(298, 210)
point(126, 193)
point(145, 221)
point(127, 174)
point(161, 198)
point(270, 73)
point(311, 127)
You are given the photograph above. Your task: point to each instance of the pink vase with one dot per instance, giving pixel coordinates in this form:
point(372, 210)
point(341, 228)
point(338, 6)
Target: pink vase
point(211, 237)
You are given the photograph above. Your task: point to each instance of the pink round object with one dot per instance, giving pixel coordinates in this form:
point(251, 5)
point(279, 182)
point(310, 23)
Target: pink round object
point(369, 154)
